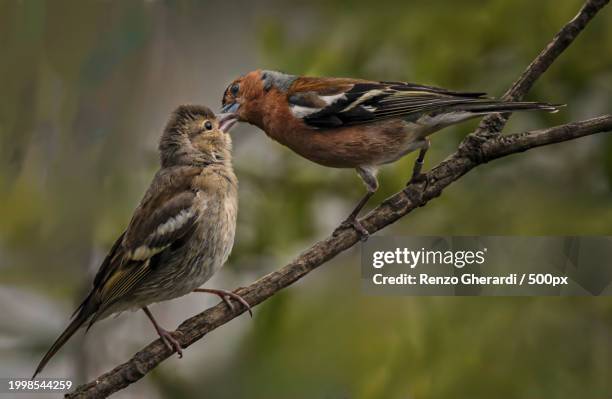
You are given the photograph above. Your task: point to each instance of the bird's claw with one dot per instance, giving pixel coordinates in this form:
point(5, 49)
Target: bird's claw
point(238, 298)
point(417, 178)
point(226, 296)
point(226, 299)
point(171, 343)
point(352, 222)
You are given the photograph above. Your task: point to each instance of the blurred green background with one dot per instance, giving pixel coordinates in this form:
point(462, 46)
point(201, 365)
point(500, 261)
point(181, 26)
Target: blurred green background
point(86, 90)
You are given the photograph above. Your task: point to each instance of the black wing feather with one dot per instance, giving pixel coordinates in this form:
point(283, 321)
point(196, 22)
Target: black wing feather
point(366, 102)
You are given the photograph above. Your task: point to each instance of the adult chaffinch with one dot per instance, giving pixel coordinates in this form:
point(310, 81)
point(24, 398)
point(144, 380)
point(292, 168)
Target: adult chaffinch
point(355, 123)
point(181, 233)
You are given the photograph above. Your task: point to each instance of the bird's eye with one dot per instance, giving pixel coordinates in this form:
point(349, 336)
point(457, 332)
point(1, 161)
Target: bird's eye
point(234, 89)
point(208, 125)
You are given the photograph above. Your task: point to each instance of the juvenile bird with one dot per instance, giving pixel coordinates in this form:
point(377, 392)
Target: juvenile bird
point(181, 233)
point(355, 123)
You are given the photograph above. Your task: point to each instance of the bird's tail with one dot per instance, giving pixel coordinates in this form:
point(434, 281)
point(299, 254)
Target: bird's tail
point(486, 107)
point(82, 315)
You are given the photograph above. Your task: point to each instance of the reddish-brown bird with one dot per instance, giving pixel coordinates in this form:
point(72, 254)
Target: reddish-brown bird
point(355, 123)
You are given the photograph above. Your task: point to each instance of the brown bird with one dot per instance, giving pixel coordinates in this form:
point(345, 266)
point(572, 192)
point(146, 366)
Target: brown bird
point(181, 233)
point(355, 123)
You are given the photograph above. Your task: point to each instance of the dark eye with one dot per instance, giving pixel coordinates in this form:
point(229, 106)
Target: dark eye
point(234, 89)
point(208, 125)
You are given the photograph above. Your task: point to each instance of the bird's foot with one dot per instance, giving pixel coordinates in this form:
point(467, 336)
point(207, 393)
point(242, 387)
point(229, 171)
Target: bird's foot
point(171, 343)
point(226, 296)
point(417, 178)
point(352, 222)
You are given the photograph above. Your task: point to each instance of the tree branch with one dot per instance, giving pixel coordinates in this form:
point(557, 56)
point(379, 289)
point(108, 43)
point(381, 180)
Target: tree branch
point(478, 148)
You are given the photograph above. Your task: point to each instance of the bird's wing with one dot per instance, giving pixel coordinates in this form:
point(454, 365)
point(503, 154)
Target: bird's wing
point(165, 218)
point(328, 102)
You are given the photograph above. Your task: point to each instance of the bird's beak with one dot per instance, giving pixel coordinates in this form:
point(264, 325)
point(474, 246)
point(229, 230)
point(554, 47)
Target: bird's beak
point(226, 120)
point(231, 107)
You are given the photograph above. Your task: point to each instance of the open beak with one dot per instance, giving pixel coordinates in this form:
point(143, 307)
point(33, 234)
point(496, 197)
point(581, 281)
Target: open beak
point(226, 121)
point(231, 107)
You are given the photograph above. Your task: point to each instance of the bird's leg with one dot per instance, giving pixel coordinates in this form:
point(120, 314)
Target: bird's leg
point(225, 296)
point(351, 220)
point(166, 336)
point(368, 175)
point(417, 176)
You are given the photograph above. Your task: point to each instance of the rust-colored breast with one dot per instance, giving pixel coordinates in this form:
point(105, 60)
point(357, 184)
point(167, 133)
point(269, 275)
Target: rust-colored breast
point(345, 147)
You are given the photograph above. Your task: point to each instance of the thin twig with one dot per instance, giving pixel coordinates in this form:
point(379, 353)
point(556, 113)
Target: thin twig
point(494, 123)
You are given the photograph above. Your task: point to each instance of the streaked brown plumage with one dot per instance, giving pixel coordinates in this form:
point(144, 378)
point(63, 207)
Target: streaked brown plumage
point(181, 233)
point(355, 123)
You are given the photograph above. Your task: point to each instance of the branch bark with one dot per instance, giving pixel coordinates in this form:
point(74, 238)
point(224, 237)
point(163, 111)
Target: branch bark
point(478, 148)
